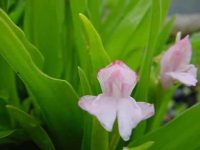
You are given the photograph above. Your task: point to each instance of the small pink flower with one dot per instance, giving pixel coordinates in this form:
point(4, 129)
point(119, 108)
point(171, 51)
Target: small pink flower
point(175, 65)
point(117, 82)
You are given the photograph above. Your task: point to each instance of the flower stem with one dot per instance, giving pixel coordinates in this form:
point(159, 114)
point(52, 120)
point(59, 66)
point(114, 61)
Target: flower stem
point(115, 138)
point(99, 140)
point(114, 142)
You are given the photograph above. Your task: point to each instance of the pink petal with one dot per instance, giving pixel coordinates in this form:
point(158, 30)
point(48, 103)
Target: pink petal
point(166, 80)
point(146, 109)
point(185, 46)
point(175, 58)
point(117, 79)
point(85, 102)
point(129, 115)
point(178, 55)
point(104, 108)
point(187, 75)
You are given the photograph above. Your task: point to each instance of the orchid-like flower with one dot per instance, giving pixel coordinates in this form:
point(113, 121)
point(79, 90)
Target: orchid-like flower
point(175, 65)
point(117, 82)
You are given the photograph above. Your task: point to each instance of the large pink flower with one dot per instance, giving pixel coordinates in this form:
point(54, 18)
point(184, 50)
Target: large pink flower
point(175, 65)
point(117, 82)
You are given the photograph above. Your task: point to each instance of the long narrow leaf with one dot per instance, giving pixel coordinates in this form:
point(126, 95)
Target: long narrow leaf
point(44, 25)
point(185, 129)
point(36, 132)
point(116, 41)
point(50, 93)
point(99, 59)
point(8, 83)
point(98, 55)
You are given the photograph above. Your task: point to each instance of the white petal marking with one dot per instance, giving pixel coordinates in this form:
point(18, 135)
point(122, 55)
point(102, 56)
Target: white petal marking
point(103, 107)
point(146, 109)
point(129, 115)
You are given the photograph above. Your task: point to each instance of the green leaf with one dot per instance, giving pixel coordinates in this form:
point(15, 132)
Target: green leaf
point(50, 93)
point(26, 104)
point(6, 133)
point(12, 136)
point(139, 38)
point(94, 134)
point(3, 4)
point(93, 11)
point(134, 49)
point(144, 146)
point(158, 13)
point(117, 41)
point(4, 96)
point(195, 39)
point(85, 85)
point(99, 137)
point(161, 103)
point(16, 11)
point(164, 35)
point(143, 85)
point(121, 8)
point(99, 57)
point(44, 25)
point(87, 132)
point(164, 8)
point(181, 133)
point(142, 88)
point(32, 127)
point(34, 52)
point(8, 83)
point(76, 7)
point(76, 53)
point(5, 120)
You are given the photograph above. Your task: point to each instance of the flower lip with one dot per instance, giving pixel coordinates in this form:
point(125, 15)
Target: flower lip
point(117, 81)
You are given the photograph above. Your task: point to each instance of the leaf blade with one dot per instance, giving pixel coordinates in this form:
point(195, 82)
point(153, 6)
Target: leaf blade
point(36, 132)
point(185, 139)
point(50, 93)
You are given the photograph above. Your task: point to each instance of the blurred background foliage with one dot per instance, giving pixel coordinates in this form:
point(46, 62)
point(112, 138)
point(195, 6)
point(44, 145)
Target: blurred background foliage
point(38, 109)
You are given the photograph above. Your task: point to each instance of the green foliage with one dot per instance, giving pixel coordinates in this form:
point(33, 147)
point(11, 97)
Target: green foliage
point(125, 28)
point(32, 127)
point(144, 146)
point(157, 11)
point(56, 49)
point(4, 117)
point(6, 133)
point(50, 43)
point(86, 89)
point(185, 130)
point(98, 55)
point(46, 90)
point(195, 38)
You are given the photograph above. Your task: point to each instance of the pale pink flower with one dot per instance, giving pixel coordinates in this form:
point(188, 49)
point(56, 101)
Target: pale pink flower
point(117, 82)
point(175, 65)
